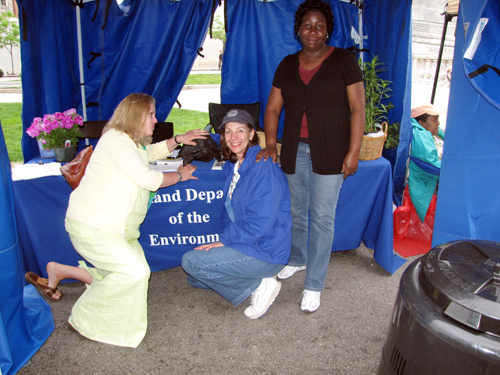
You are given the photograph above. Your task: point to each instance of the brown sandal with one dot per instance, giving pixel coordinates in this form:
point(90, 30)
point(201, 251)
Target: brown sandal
point(43, 286)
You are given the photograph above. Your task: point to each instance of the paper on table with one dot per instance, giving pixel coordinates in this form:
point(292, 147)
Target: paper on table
point(29, 171)
point(166, 166)
point(167, 161)
point(218, 165)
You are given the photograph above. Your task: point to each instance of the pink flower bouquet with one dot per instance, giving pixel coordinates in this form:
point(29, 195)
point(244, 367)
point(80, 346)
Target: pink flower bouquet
point(54, 130)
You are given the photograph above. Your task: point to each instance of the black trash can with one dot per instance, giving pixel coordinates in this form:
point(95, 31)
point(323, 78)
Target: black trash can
point(446, 318)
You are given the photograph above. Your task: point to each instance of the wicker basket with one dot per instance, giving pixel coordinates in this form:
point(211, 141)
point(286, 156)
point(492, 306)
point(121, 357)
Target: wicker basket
point(371, 147)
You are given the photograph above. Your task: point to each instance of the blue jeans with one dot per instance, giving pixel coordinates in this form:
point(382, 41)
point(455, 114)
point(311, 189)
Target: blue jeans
point(317, 195)
point(226, 271)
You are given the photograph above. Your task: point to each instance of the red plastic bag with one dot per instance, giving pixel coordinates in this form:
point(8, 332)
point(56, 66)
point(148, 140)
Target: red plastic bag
point(407, 226)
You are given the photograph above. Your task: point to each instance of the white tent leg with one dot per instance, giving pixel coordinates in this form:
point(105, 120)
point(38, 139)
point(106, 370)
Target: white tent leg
point(80, 62)
point(361, 37)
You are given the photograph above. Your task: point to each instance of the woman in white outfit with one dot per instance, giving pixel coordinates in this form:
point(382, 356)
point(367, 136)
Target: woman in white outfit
point(103, 219)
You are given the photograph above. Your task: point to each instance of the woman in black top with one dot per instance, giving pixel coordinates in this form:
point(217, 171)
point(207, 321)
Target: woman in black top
point(321, 89)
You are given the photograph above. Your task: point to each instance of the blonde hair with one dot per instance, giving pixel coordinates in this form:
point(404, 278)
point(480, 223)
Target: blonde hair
point(130, 115)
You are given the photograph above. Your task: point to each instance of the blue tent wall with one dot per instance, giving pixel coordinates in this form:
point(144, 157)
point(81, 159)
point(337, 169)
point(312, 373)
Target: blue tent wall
point(149, 49)
point(25, 318)
point(468, 203)
point(260, 35)
point(155, 56)
point(47, 61)
point(389, 30)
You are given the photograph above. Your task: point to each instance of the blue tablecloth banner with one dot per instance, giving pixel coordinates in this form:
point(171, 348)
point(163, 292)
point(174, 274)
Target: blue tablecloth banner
point(186, 215)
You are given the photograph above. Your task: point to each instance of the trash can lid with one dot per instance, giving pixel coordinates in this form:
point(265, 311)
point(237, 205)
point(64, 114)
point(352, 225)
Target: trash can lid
point(463, 279)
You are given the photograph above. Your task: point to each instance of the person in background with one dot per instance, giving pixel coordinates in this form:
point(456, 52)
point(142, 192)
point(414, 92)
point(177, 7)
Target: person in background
point(103, 219)
point(321, 89)
point(422, 185)
point(221, 55)
point(256, 224)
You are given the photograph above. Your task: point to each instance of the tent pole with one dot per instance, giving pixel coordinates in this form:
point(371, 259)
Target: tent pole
point(447, 18)
point(360, 30)
point(80, 61)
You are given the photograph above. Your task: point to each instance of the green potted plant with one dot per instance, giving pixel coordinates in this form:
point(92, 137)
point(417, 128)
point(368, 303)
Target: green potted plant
point(377, 91)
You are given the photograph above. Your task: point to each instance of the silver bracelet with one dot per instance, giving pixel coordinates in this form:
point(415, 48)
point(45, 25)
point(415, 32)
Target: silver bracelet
point(180, 177)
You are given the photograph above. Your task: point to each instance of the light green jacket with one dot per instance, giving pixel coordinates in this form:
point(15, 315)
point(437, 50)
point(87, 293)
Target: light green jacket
point(117, 171)
point(423, 184)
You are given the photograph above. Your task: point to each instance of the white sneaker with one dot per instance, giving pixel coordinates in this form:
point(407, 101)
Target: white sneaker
point(263, 297)
point(289, 271)
point(310, 300)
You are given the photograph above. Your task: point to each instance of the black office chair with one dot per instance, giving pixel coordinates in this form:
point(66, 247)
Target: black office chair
point(163, 131)
point(216, 113)
point(93, 129)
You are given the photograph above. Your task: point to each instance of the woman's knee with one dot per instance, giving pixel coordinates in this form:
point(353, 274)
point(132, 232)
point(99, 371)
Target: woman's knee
point(189, 261)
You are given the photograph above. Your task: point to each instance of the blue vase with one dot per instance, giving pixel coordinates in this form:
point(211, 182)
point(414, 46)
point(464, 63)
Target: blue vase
point(45, 154)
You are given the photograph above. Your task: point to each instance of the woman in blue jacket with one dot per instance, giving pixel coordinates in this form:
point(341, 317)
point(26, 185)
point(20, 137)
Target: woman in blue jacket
point(422, 185)
point(256, 224)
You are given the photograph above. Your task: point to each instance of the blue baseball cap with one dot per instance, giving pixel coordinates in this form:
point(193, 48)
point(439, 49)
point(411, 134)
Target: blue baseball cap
point(238, 115)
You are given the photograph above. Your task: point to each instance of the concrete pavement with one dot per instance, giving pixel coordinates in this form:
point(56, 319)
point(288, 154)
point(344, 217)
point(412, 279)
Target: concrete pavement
point(10, 91)
point(194, 331)
point(197, 99)
point(191, 97)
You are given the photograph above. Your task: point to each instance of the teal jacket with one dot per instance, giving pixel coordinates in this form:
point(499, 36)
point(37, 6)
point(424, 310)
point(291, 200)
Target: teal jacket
point(423, 184)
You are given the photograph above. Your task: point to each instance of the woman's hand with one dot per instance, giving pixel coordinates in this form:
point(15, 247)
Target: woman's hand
point(187, 172)
point(209, 246)
point(350, 164)
point(266, 153)
point(188, 138)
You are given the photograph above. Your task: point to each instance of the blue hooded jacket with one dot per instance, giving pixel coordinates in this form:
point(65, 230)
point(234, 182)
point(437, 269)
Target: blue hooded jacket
point(261, 207)
point(422, 184)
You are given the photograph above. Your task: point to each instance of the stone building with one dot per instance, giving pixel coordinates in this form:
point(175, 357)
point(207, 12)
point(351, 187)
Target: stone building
point(428, 20)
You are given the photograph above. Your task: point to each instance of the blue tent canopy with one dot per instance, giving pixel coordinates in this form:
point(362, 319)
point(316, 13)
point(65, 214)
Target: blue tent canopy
point(152, 45)
point(468, 204)
point(149, 49)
